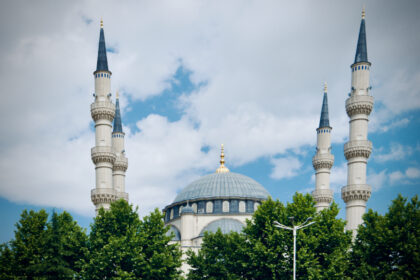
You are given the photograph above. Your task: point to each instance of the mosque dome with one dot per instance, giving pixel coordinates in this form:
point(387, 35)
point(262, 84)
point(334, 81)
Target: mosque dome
point(222, 185)
point(223, 192)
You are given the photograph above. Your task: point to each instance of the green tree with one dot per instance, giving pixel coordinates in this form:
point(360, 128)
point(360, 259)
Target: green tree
point(388, 246)
point(266, 252)
point(221, 257)
point(42, 249)
point(121, 246)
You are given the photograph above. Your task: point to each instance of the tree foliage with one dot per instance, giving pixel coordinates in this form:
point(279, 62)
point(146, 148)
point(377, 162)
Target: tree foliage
point(43, 249)
point(121, 246)
point(388, 246)
point(263, 251)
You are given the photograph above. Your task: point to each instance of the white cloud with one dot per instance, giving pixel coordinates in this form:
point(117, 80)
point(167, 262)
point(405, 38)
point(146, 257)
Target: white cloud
point(412, 173)
point(263, 65)
point(285, 167)
point(377, 180)
point(397, 152)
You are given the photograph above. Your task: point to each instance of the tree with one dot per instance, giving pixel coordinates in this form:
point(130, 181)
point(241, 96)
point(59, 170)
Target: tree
point(43, 250)
point(221, 257)
point(121, 246)
point(266, 252)
point(388, 246)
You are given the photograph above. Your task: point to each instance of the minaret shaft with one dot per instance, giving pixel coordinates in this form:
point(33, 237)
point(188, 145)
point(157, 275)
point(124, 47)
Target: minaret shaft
point(357, 150)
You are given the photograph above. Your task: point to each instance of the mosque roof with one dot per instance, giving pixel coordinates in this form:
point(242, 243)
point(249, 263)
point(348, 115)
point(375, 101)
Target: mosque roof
point(361, 51)
point(102, 64)
point(117, 119)
point(222, 184)
point(324, 120)
point(225, 225)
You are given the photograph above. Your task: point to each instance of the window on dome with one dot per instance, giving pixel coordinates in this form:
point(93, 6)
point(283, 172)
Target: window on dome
point(194, 207)
point(176, 211)
point(201, 205)
point(225, 207)
point(217, 207)
point(172, 214)
point(209, 207)
point(249, 206)
point(256, 205)
point(234, 206)
point(180, 209)
point(242, 206)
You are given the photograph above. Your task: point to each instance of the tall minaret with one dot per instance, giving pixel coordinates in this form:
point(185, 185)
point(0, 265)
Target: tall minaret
point(121, 162)
point(323, 160)
point(103, 111)
point(357, 150)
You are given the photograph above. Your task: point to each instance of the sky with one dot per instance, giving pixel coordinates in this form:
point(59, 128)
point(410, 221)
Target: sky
point(191, 76)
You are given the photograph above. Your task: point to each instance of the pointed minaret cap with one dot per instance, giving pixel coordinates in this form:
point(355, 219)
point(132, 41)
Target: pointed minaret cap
point(361, 51)
point(324, 120)
point(222, 168)
point(117, 119)
point(102, 64)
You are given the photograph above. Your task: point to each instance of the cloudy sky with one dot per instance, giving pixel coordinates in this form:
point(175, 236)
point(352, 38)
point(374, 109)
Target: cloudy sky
point(193, 75)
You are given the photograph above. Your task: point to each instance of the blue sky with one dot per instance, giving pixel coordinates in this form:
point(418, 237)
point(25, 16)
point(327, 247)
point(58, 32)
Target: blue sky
point(193, 75)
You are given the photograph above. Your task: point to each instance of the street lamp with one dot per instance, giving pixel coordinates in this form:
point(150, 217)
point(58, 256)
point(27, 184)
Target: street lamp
point(294, 229)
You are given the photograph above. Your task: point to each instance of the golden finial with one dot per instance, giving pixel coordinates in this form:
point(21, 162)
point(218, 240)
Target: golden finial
point(222, 168)
point(117, 95)
point(102, 23)
point(363, 12)
point(325, 87)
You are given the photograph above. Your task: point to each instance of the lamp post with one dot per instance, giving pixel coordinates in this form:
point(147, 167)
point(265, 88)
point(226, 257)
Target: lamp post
point(294, 229)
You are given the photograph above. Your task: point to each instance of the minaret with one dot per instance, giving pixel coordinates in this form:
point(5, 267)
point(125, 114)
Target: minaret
point(103, 111)
point(323, 160)
point(357, 150)
point(121, 162)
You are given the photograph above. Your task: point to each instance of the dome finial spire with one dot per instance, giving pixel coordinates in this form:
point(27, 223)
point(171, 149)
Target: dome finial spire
point(222, 168)
point(117, 96)
point(325, 86)
point(363, 12)
point(102, 23)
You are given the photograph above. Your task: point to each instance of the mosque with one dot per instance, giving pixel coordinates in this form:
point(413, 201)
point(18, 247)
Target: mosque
point(224, 200)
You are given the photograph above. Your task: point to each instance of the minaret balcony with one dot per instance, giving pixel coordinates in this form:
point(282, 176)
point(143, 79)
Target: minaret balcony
point(103, 154)
point(102, 110)
point(322, 195)
point(323, 161)
point(122, 195)
point(106, 195)
point(356, 192)
point(120, 164)
point(359, 104)
point(357, 148)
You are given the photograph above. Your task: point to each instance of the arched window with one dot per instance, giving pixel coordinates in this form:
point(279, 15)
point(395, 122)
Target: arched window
point(225, 206)
point(172, 214)
point(180, 209)
point(241, 206)
point(256, 204)
point(209, 207)
point(194, 207)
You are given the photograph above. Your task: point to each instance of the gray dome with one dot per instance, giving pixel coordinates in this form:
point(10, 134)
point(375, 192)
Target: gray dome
point(223, 185)
point(225, 225)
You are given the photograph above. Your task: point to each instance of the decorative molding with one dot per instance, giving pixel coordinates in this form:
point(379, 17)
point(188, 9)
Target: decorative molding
point(102, 110)
point(356, 192)
point(322, 161)
point(103, 154)
point(357, 148)
point(359, 104)
point(120, 164)
point(103, 196)
point(322, 195)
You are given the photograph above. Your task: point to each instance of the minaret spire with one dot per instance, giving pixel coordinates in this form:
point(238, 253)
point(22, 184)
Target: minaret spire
point(323, 160)
point(102, 64)
point(361, 50)
point(222, 168)
point(117, 119)
point(324, 120)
